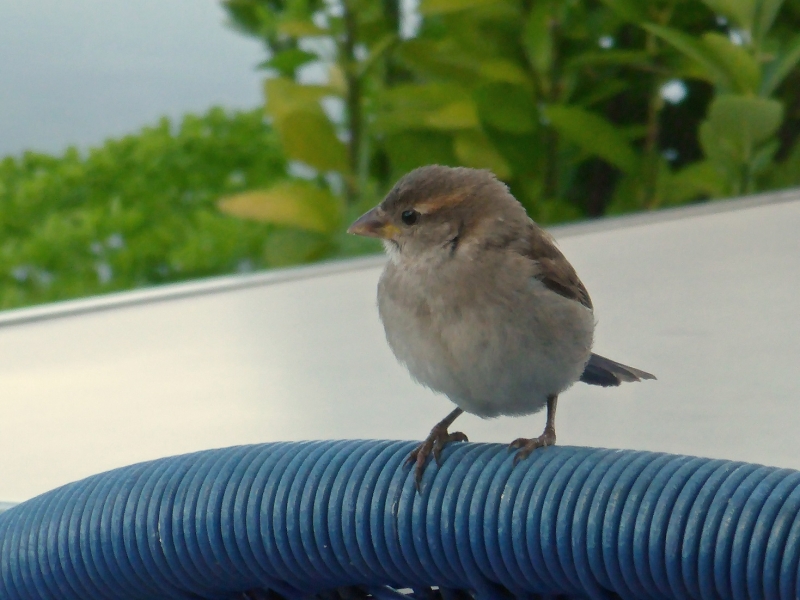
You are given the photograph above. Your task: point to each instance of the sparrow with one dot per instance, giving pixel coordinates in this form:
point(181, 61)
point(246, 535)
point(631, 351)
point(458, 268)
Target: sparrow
point(479, 304)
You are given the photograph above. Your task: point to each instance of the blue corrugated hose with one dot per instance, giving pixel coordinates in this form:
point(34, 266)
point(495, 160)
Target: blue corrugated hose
point(300, 519)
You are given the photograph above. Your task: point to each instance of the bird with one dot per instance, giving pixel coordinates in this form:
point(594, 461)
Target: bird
point(479, 304)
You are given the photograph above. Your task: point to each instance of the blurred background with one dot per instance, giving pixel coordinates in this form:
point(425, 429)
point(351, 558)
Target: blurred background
point(159, 141)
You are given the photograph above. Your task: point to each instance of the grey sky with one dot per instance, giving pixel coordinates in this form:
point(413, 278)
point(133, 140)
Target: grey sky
point(78, 72)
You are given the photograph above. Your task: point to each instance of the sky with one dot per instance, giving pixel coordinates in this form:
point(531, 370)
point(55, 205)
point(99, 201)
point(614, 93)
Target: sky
point(78, 72)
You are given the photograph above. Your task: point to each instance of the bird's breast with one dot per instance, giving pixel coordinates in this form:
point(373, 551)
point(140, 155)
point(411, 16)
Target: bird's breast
point(494, 346)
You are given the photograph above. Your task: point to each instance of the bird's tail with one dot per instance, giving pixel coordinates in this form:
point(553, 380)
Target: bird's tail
point(606, 372)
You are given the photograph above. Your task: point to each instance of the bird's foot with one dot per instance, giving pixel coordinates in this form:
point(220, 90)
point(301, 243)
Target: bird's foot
point(526, 445)
point(435, 442)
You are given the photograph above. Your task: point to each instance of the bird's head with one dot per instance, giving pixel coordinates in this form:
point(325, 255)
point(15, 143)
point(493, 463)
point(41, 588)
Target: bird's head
point(436, 208)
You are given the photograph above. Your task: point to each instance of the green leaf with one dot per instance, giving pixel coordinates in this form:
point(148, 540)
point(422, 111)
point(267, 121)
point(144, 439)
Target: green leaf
point(433, 58)
point(700, 178)
point(424, 106)
point(309, 136)
point(286, 247)
point(376, 52)
point(634, 131)
point(408, 150)
point(744, 117)
point(502, 70)
point(337, 80)
point(602, 91)
point(306, 132)
point(285, 96)
point(538, 38)
point(523, 153)
point(736, 124)
point(766, 12)
point(248, 17)
point(592, 58)
point(632, 11)
point(777, 70)
point(506, 107)
point(475, 150)
point(719, 150)
point(695, 50)
point(288, 61)
point(554, 210)
point(764, 155)
point(298, 204)
point(741, 12)
point(787, 173)
point(456, 115)
point(593, 134)
point(300, 28)
point(741, 67)
point(438, 7)
point(421, 96)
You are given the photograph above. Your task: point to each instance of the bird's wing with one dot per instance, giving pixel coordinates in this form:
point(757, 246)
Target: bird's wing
point(553, 269)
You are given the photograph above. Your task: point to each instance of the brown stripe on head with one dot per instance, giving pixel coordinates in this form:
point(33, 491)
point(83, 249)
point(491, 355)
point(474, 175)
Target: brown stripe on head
point(435, 203)
point(474, 199)
point(434, 187)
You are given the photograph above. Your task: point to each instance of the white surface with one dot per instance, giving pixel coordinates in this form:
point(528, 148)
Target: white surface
point(80, 71)
point(708, 303)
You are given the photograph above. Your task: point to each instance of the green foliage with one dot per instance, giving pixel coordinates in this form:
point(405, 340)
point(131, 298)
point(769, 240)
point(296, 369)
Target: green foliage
point(295, 203)
point(137, 211)
point(739, 134)
point(593, 134)
point(562, 100)
point(568, 101)
point(306, 132)
point(738, 138)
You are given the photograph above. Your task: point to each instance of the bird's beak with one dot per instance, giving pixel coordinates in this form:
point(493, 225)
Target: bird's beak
point(374, 224)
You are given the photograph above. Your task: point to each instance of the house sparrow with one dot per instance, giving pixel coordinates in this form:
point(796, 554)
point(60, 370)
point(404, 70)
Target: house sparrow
point(479, 304)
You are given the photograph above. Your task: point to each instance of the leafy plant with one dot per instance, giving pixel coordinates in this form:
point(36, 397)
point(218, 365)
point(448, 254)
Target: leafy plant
point(326, 127)
point(137, 211)
point(584, 108)
point(746, 68)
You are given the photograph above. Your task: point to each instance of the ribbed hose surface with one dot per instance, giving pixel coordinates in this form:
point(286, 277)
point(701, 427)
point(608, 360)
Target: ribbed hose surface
point(301, 518)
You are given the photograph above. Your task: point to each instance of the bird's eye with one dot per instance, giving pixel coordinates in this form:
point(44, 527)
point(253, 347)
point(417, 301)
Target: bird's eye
point(409, 217)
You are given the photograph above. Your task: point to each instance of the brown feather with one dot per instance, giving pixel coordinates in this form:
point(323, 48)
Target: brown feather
point(554, 271)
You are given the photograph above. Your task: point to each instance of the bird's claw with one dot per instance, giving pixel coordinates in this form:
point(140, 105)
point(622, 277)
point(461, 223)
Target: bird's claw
point(440, 443)
point(528, 445)
point(434, 443)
